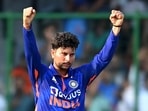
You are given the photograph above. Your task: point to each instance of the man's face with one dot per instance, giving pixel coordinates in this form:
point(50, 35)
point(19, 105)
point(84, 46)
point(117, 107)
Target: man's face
point(63, 57)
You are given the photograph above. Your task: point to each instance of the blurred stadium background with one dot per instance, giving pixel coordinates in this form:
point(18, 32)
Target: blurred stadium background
point(122, 86)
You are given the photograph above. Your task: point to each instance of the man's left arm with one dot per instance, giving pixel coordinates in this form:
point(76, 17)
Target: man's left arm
point(102, 59)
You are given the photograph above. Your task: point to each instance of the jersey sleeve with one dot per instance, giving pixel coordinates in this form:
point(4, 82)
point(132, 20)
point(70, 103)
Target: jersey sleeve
point(100, 60)
point(35, 68)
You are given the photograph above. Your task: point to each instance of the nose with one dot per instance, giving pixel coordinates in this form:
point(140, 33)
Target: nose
point(67, 58)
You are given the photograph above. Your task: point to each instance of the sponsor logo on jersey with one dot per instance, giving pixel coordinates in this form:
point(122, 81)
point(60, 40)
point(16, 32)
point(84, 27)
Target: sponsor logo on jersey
point(58, 98)
point(56, 92)
point(54, 101)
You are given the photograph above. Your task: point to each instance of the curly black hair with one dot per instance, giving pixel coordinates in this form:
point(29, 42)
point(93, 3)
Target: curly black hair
point(64, 39)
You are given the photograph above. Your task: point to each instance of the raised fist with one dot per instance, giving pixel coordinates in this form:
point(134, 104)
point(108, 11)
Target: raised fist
point(116, 18)
point(28, 16)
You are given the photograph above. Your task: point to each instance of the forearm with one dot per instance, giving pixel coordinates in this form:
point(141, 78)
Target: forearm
point(109, 48)
point(30, 46)
point(27, 26)
point(102, 59)
point(105, 55)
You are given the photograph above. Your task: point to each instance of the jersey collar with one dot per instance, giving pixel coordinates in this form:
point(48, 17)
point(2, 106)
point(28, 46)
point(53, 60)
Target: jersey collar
point(55, 73)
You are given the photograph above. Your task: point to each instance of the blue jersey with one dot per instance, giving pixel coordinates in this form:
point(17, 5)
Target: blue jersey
point(55, 93)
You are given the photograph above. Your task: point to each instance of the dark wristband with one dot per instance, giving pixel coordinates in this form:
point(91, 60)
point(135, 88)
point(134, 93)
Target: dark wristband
point(117, 25)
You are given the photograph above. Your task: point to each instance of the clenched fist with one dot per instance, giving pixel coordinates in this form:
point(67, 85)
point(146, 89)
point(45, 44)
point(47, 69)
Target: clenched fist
point(116, 18)
point(28, 16)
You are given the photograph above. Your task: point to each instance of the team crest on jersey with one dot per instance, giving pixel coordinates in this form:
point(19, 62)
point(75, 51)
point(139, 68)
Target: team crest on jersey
point(73, 84)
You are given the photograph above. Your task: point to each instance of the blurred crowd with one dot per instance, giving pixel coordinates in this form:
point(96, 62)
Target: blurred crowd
point(114, 89)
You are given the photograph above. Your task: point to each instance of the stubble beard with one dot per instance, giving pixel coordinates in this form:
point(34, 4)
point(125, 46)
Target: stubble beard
point(64, 66)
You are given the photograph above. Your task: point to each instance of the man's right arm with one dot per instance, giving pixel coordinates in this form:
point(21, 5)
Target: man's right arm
point(31, 51)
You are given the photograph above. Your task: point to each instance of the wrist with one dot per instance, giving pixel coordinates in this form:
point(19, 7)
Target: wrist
point(116, 30)
point(26, 26)
point(117, 25)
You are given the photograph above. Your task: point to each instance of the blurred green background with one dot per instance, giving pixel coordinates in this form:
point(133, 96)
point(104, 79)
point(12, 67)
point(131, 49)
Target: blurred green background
point(122, 86)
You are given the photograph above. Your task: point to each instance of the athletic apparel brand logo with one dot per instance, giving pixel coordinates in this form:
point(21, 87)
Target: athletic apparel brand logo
point(73, 84)
point(54, 79)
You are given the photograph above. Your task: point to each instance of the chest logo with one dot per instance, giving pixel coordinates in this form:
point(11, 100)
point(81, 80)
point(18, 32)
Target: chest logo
point(73, 84)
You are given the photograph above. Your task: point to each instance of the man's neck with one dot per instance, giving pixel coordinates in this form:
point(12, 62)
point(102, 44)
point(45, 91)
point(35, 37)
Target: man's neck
point(63, 73)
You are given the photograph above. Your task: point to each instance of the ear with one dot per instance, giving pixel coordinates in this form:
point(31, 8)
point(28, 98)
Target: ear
point(52, 53)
